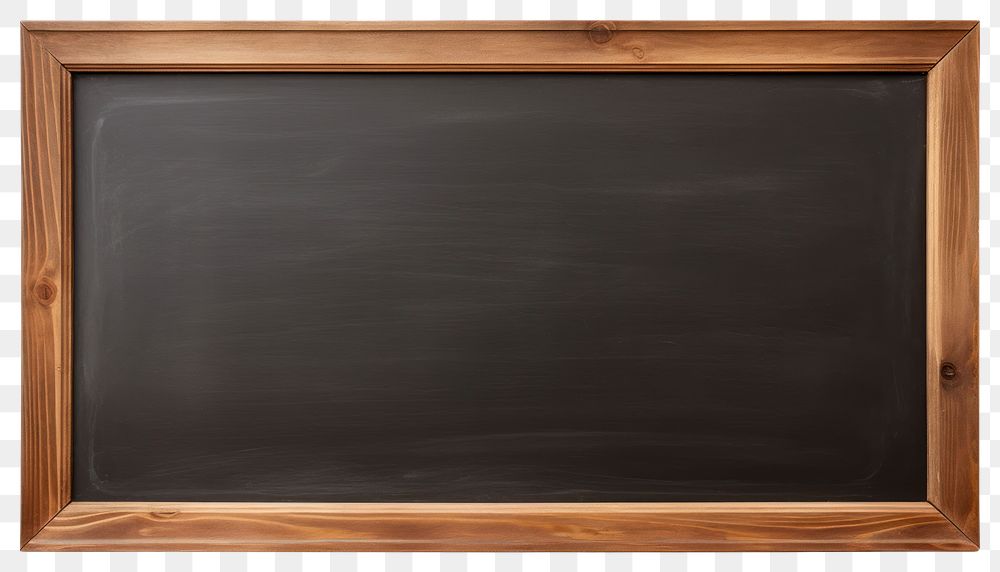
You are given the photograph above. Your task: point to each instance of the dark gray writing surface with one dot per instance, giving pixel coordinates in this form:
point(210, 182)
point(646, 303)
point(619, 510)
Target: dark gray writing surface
point(532, 288)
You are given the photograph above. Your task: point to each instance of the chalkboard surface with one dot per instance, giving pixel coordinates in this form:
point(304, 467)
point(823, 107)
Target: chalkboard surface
point(476, 287)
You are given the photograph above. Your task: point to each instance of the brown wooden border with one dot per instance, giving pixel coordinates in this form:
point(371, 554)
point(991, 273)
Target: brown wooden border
point(947, 51)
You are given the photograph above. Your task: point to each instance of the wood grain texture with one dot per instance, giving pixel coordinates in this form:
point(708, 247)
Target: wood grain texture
point(454, 46)
point(45, 293)
point(556, 25)
point(500, 527)
point(952, 285)
point(572, 46)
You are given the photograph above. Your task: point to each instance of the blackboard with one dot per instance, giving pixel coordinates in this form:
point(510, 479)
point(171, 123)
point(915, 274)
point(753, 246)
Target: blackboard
point(499, 287)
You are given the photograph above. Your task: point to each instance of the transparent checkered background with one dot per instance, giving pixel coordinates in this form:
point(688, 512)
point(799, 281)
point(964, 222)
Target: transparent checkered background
point(11, 11)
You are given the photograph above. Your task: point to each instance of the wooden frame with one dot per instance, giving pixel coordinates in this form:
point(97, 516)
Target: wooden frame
point(946, 51)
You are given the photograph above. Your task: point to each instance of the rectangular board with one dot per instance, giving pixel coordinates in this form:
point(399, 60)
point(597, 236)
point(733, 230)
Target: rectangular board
point(499, 288)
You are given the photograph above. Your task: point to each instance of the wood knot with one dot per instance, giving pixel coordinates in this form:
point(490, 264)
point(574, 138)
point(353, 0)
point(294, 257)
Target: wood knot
point(949, 373)
point(638, 52)
point(601, 32)
point(44, 291)
point(164, 514)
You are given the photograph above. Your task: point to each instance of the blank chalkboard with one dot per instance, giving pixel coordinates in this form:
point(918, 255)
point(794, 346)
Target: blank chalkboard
point(499, 287)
